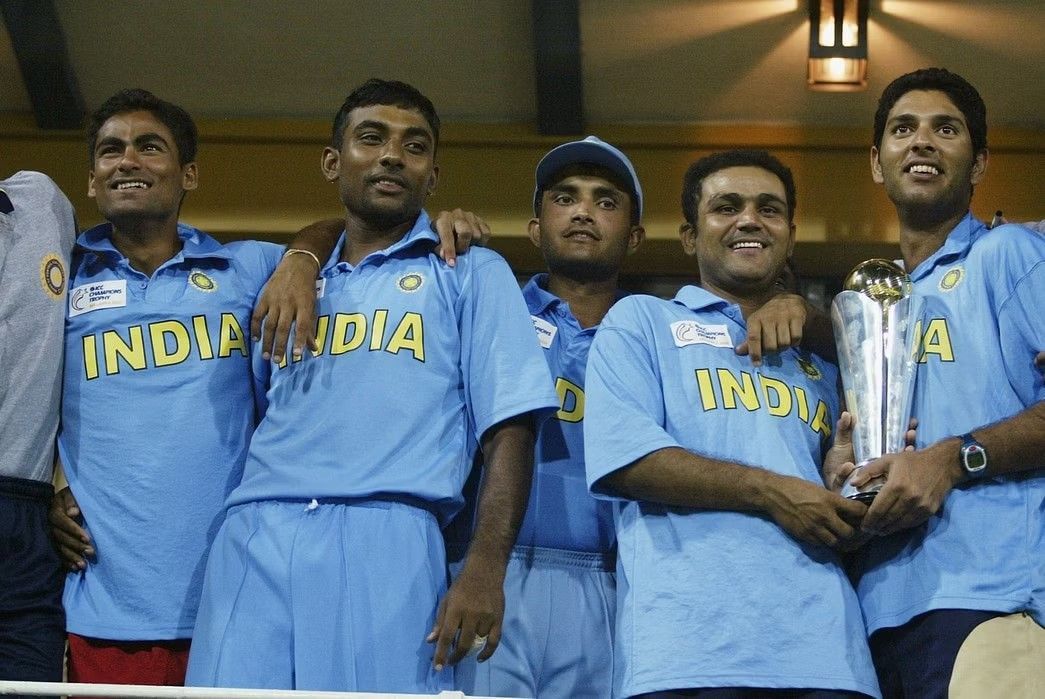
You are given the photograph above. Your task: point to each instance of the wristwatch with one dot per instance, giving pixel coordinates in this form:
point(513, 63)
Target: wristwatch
point(972, 457)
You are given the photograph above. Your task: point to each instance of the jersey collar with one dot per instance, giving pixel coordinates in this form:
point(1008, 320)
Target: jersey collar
point(958, 242)
point(538, 298)
point(697, 298)
point(195, 244)
point(421, 232)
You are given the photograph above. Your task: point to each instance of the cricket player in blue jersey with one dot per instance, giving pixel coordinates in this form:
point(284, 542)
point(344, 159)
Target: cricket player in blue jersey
point(959, 567)
point(727, 584)
point(329, 571)
point(158, 396)
point(559, 591)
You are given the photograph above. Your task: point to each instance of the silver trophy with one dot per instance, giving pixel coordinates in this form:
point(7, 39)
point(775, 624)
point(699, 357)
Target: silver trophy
point(875, 319)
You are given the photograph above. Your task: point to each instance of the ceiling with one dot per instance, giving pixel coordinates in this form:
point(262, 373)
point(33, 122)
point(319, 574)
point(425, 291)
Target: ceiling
point(642, 61)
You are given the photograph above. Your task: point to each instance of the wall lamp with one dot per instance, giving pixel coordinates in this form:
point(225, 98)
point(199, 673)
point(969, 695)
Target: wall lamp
point(838, 45)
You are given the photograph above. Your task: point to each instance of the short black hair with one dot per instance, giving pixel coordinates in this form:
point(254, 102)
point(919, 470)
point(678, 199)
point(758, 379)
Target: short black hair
point(182, 127)
point(708, 165)
point(389, 92)
point(958, 89)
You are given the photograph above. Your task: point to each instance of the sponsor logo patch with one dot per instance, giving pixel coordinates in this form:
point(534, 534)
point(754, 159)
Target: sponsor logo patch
point(545, 331)
point(52, 275)
point(690, 332)
point(952, 278)
point(199, 280)
point(409, 283)
point(91, 297)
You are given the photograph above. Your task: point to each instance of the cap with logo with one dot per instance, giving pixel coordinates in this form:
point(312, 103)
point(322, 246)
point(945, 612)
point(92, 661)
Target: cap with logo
point(592, 151)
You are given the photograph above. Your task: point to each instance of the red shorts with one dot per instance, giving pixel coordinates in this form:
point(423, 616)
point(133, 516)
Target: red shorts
point(100, 661)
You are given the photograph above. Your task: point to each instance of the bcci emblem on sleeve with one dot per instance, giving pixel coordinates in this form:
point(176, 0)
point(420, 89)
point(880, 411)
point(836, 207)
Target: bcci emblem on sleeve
point(199, 280)
point(409, 283)
point(52, 275)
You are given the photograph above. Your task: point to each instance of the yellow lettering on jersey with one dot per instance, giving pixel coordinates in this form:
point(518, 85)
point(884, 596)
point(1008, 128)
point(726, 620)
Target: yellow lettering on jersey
point(733, 389)
point(937, 340)
point(821, 421)
point(231, 336)
point(162, 354)
point(342, 342)
point(571, 400)
point(707, 391)
point(116, 349)
point(378, 333)
point(803, 404)
point(409, 335)
point(199, 326)
point(776, 394)
point(90, 356)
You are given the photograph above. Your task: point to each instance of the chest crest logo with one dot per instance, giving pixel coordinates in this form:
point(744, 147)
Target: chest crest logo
point(52, 275)
point(809, 368)
point(199, 280)
point(952, 278)
point(409, 283)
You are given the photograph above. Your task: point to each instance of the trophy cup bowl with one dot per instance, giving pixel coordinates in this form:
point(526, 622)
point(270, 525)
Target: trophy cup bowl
point(875, 320)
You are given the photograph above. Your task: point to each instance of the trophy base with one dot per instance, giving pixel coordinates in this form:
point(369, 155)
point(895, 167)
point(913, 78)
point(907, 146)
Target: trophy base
point(866, 494)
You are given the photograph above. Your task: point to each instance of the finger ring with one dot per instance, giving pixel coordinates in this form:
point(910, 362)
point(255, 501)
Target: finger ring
point(477, 644)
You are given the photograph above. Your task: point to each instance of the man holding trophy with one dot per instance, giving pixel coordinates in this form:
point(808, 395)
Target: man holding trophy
point(960, 564)
point(727, 584)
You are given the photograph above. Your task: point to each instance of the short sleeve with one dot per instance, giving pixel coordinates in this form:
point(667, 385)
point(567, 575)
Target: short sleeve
point(505, 373)
point(624, 406)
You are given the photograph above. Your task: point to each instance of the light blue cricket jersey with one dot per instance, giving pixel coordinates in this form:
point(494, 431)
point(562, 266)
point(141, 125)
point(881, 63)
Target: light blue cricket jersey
point(562, 514)
point(417, 360)
point(710, 598)
point(157, 410)
point(984, 323)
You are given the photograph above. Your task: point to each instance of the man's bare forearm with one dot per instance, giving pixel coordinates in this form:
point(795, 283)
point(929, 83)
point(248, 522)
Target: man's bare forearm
point(1014, 444)
point(508, 471)
point(680, 478)
point(319, 238)
point(805, 510)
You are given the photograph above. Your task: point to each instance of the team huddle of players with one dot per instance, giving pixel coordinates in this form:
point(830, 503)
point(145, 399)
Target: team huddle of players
point(656, 516)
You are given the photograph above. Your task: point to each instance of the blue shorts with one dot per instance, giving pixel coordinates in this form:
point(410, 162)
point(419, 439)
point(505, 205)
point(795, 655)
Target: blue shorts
point(32, 623)
point(321, 596)
point(557, 636)
point(916, 660)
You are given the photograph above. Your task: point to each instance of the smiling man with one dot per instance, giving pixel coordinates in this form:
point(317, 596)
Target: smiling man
point(727, 582)
point(966, 511)
point(328, 571)
point(158, 399)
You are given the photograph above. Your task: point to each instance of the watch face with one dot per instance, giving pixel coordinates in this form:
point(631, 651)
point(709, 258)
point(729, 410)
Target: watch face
point(974, 458)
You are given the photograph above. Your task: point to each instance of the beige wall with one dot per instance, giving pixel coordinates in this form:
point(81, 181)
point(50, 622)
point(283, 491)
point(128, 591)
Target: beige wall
point(260, 178)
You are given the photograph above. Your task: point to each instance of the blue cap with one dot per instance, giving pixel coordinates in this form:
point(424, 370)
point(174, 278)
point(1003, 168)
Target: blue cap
point(591, 151)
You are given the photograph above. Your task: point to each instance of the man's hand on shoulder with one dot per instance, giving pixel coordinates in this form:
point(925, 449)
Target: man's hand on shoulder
point(458, 230)
point(287, 302)
point(775, 326)
point(70, 539)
